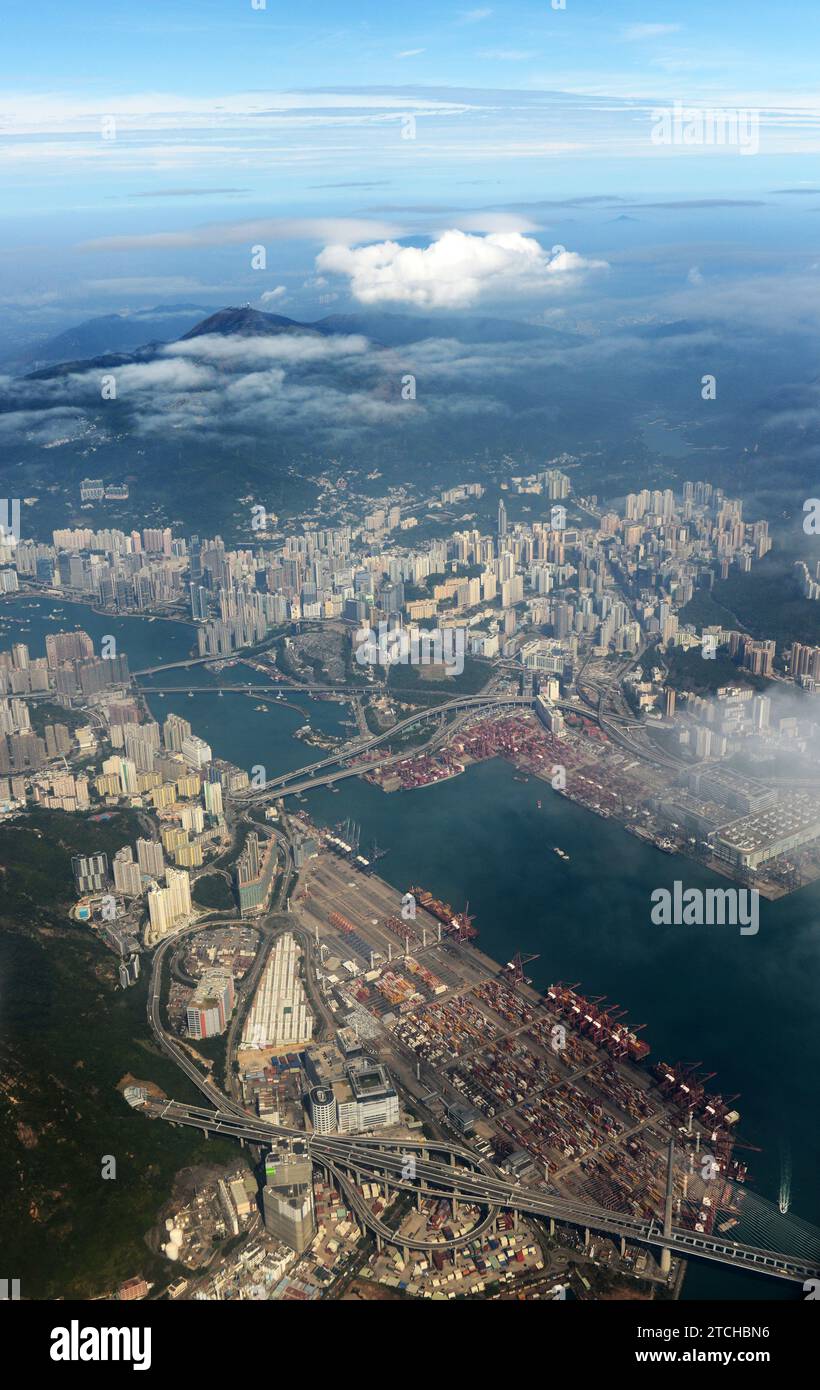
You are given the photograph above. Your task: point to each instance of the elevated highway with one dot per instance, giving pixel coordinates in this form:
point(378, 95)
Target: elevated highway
point(306, 777)
point(464, 1178)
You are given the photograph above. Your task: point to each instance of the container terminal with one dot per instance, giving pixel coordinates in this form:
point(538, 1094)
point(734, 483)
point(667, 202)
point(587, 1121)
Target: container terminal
point(554, 1088)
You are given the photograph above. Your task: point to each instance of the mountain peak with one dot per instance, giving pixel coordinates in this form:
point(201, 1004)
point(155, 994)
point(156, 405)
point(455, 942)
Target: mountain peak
point(246, 323)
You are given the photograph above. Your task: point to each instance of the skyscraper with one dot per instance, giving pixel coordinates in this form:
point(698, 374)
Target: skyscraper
point(127, 876)
point(287, 1197)
point(150, 858)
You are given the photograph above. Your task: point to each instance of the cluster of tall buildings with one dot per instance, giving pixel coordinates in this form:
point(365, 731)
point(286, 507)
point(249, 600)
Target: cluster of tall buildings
point(168, 889)
point(755, 656)
point(132, 876)
point(70, 669)
point(524, 575)
point(61, 791)
point(122, 572)
point(173, 771)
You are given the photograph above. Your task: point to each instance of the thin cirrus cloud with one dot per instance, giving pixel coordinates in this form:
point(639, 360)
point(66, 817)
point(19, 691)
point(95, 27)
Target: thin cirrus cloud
point(455, 271)
point(249, 136)
point(188, 192)
point(62, 114)
point(347, 229)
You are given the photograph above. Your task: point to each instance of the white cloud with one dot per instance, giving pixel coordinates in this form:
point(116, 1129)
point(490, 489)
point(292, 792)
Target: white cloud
point(411, 53)
point(273, 296)
point(49, 113)
point(174, 375)
point(280, 347)
point(453, 272)
point(475, 16)
point(43, 426)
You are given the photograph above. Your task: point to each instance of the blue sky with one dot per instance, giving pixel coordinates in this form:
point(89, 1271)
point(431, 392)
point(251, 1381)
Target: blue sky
point(194, 46)
point(137, 139)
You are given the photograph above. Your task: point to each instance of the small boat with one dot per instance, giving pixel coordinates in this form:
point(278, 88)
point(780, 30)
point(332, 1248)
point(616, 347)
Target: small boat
point(190, 694)
point(562, 854)
point(538, 804)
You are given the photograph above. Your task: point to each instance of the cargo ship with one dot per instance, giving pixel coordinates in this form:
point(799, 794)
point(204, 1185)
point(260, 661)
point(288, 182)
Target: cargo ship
point(607, 1028)
point(459, 924)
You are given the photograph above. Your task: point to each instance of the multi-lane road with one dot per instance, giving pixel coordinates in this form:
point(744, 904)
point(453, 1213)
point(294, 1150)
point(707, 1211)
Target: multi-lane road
point(465, 1178)
point(314, 774)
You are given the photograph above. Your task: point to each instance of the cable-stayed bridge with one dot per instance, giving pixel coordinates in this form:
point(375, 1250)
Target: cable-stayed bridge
point(789, 1248)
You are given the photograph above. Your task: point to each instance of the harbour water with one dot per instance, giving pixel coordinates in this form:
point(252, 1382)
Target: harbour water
point(746, 1007)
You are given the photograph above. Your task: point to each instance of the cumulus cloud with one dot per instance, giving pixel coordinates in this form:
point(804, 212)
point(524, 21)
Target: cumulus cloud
point(273, 296)
point(454, 271)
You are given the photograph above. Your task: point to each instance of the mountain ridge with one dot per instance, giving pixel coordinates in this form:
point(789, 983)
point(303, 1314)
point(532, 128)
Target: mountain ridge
point(384, 330)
